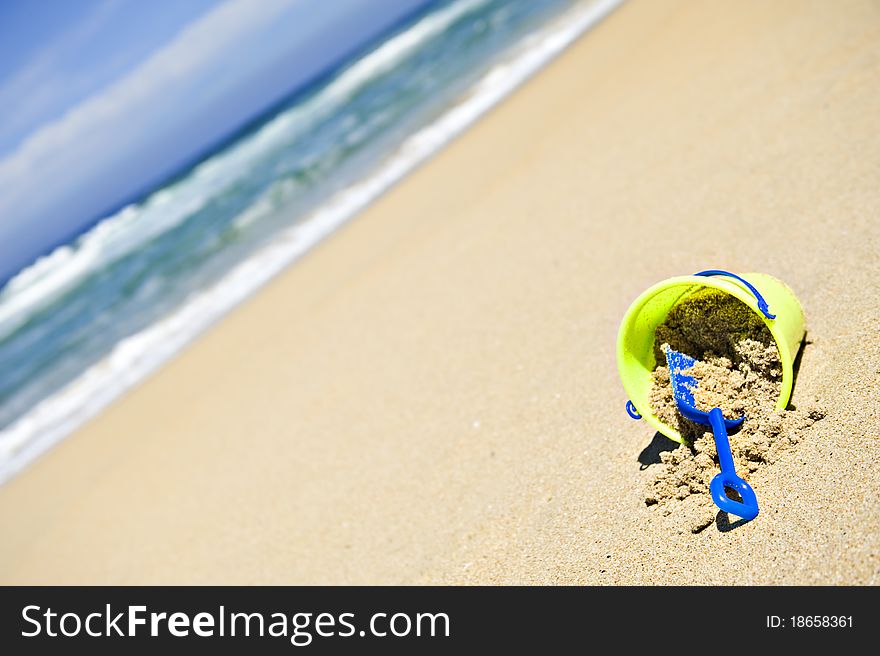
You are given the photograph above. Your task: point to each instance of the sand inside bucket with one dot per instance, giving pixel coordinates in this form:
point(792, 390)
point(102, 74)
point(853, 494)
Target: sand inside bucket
point(739, 371)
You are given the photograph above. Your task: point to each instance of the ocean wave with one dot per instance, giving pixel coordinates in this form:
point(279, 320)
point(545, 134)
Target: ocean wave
point(114, 237)
point(138, 355)
point(53, 275)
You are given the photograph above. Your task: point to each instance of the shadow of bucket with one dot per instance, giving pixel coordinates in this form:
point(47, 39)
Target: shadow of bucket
point(768, 297)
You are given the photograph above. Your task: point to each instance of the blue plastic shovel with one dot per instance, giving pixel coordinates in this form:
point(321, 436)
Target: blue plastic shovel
point(683, 387)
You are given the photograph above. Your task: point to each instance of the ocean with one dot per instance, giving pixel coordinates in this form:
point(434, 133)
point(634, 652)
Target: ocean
point(88, 321)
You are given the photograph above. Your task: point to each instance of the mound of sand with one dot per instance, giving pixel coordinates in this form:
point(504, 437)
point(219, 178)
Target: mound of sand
point(739, 371)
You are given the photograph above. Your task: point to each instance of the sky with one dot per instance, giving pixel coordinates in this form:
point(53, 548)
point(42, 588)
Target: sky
point(102, 98)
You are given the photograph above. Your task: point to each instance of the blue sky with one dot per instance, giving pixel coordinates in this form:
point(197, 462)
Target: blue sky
point(101, 97)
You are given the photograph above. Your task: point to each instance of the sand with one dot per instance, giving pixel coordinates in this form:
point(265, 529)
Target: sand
point(432, 395)
point(737, 370)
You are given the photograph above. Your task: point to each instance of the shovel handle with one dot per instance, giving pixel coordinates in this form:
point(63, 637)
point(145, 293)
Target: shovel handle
point(748, 507)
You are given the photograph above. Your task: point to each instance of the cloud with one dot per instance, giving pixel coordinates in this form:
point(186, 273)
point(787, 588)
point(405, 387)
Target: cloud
point(66, 153)
point(35, 88)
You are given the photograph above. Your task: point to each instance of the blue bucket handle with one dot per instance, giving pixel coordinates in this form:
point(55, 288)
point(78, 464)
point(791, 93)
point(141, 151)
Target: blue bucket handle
point(762, 304)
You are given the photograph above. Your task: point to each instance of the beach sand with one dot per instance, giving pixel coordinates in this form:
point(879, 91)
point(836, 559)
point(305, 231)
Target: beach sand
point(431, 395)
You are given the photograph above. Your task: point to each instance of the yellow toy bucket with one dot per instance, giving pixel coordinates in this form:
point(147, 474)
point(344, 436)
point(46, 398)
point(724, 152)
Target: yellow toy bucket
point(769, 297)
